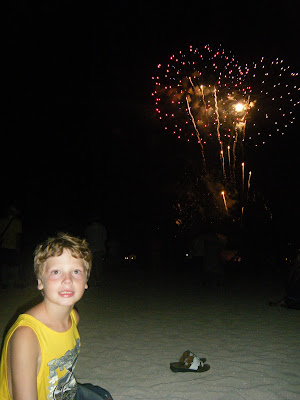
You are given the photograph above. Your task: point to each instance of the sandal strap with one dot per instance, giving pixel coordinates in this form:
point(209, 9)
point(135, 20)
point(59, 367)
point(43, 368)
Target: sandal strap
point(192, 361)
point(195, 364)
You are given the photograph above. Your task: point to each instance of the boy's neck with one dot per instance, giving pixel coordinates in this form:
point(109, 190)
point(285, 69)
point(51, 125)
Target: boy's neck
point(54, 316)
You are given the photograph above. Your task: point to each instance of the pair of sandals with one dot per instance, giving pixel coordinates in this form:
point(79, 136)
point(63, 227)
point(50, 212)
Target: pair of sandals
point(189, 362)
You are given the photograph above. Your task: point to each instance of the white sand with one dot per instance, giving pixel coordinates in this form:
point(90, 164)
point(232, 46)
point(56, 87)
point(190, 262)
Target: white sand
point(131, 331)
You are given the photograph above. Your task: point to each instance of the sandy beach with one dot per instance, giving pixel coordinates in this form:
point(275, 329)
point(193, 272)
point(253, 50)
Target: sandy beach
point(131, 329)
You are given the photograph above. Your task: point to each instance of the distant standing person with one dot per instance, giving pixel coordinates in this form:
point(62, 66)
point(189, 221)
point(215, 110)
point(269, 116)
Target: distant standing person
point(198, 252)
point(213, 270)
point(10, 245)
point(96, 235)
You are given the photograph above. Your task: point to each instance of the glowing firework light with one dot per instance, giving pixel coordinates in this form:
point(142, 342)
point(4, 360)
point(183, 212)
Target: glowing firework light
point(206, 95)
point(275, 95)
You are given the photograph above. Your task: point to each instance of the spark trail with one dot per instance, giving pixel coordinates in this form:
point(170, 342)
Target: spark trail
point(197, 132)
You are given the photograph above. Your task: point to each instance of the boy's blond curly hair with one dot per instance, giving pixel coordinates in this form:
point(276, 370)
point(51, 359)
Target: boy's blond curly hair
point(54, 246)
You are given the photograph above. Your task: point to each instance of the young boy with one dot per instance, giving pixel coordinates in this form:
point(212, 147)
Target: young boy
point(41, 349)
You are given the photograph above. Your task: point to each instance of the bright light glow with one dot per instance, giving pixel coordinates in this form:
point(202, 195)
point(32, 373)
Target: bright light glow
point(239, 107)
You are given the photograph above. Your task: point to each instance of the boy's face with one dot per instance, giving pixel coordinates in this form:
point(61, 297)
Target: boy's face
point(64, 279)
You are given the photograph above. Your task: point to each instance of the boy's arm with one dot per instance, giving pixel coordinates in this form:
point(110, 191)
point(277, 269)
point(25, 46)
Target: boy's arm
point(23, 364)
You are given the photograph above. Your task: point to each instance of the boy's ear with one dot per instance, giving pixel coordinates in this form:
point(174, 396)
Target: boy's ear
point(86, 286)
point(40, 285)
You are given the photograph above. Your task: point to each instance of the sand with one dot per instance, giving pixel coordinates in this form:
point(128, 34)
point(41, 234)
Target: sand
point(131, 329)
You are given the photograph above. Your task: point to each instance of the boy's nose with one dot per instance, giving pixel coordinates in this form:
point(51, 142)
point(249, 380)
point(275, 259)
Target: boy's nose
point(67, 278)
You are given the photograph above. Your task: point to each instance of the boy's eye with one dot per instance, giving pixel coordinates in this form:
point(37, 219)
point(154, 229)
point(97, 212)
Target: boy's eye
point(78, 272)
point(55, 272)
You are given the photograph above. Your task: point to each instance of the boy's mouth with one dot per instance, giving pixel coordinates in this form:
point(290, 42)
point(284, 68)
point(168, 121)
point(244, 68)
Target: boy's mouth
point(66, 293)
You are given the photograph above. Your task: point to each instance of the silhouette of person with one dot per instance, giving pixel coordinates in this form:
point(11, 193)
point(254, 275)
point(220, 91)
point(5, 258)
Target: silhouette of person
point(10, 244)
point(96, 235)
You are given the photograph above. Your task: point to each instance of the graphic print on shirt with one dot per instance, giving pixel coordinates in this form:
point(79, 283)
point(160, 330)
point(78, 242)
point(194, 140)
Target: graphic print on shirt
point(63, 388)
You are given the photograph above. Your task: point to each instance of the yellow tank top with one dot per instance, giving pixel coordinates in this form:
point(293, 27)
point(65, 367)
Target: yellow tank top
point(59, 353)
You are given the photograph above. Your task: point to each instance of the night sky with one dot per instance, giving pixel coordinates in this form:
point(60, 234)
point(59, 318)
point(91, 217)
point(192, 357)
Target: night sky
point(79, 138)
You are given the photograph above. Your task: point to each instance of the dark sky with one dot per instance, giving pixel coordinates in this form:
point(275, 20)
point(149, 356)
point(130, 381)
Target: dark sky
point(78, 138)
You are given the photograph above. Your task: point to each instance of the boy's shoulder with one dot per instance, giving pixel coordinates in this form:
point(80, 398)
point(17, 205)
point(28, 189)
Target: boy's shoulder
point(24, 334)
point(76, 315)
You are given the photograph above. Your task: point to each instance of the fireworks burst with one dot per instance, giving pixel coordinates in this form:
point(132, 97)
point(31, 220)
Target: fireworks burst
point(207, 96)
